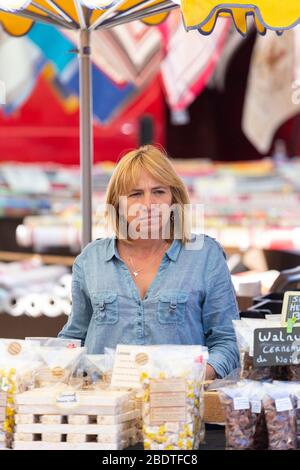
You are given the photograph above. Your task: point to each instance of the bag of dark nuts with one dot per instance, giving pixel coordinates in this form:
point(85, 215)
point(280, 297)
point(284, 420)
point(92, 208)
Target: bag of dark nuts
point(280, 415)
point(240, 419)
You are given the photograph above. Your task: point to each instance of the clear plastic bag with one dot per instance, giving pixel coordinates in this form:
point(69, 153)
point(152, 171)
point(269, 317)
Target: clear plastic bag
point(59, 364)
point(91, 372)
point(244, 330)
point(53, 342)
point(18, 366)
point(172, 379)
point(280, 416)
point(240, 419)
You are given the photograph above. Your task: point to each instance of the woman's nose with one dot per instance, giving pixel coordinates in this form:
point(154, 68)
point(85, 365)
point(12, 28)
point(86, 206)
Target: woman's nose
point(147, 202)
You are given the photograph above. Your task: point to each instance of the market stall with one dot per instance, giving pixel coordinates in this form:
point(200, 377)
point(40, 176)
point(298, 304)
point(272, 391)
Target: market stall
point(55, 394)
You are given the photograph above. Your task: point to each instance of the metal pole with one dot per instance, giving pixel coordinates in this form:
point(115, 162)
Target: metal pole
point(86, 135)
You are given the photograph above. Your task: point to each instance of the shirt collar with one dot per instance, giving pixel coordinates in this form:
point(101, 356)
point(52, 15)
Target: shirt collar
point(172, 252)
point(111, 249)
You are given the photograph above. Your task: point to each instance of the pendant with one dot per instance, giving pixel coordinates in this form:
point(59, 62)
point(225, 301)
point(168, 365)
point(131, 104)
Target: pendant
point(135, 273)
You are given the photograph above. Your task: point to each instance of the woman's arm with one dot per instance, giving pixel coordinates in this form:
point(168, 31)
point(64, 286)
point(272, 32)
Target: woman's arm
point(81, 313)
point(218, 310)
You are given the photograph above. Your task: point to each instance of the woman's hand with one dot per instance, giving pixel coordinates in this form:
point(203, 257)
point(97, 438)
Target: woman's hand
point(210, 373)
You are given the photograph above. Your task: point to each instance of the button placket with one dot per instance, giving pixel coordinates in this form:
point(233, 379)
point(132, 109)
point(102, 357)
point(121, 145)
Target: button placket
point(140, 321)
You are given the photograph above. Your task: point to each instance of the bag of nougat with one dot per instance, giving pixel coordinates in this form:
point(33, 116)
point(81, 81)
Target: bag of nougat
point(173, 405)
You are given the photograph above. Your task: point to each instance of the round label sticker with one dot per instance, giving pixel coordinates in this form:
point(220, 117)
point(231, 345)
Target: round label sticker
point(142, 359)
point(14, 348)
point(57, 371)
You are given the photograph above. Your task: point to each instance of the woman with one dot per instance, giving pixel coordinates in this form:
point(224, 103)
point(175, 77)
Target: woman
point(153, 282)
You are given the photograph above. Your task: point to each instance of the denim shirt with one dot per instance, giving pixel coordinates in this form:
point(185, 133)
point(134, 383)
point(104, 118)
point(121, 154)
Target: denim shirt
point(190, 301)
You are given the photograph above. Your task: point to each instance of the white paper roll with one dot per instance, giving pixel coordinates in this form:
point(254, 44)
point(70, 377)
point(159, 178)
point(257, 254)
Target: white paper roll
point(51, 305)
point(32, 305)
point(15, 306)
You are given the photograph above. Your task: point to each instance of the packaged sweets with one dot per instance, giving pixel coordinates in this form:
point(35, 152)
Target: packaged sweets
point(254, 373)
point(18, 366)
point(244, 330)
point(240, 418)
point(54, 342)
point(172, 382)
point(244, 335)
point(59, 364)
point(245, 420)
point(280, 416)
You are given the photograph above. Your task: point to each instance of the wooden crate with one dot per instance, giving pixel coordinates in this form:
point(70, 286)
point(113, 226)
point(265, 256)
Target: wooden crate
point(213, 409)
point(105, 420)
point(65, 436)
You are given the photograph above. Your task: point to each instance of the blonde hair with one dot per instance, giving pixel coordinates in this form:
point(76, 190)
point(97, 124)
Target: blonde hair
point(156, 162)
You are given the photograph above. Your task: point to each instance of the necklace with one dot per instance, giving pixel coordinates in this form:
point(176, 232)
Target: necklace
point(136, 272)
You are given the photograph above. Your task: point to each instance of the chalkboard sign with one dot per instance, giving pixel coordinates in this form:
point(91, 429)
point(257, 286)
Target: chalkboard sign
point(276, 347)
point(290, 307)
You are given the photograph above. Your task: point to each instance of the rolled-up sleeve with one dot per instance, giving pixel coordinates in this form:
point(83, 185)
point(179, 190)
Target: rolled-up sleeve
point(218, 310)
point(81, 313)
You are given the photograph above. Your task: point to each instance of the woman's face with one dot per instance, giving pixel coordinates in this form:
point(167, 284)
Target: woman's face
point(148, 207)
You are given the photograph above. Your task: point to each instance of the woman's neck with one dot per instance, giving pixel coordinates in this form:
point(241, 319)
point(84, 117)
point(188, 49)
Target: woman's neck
point(142, 246)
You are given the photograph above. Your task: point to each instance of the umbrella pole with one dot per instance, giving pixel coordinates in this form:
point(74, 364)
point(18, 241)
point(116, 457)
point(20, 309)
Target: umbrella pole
point(86, 135)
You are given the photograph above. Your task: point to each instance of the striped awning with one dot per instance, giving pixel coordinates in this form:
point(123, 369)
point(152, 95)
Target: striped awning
point(197, 14)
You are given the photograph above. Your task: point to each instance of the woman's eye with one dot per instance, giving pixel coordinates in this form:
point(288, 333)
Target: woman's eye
point(134, 194)
point(159, 191)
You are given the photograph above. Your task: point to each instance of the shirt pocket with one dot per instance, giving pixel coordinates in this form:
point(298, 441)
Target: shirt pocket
point(172, 307)
point(105, 307)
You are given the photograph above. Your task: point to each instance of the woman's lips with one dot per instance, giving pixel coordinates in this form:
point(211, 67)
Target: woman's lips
point(150, 219)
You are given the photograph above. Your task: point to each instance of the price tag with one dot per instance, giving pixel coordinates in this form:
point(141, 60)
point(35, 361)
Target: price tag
point(283, 404)
point(240, 403)
point(256, 406)
point(67, 400)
